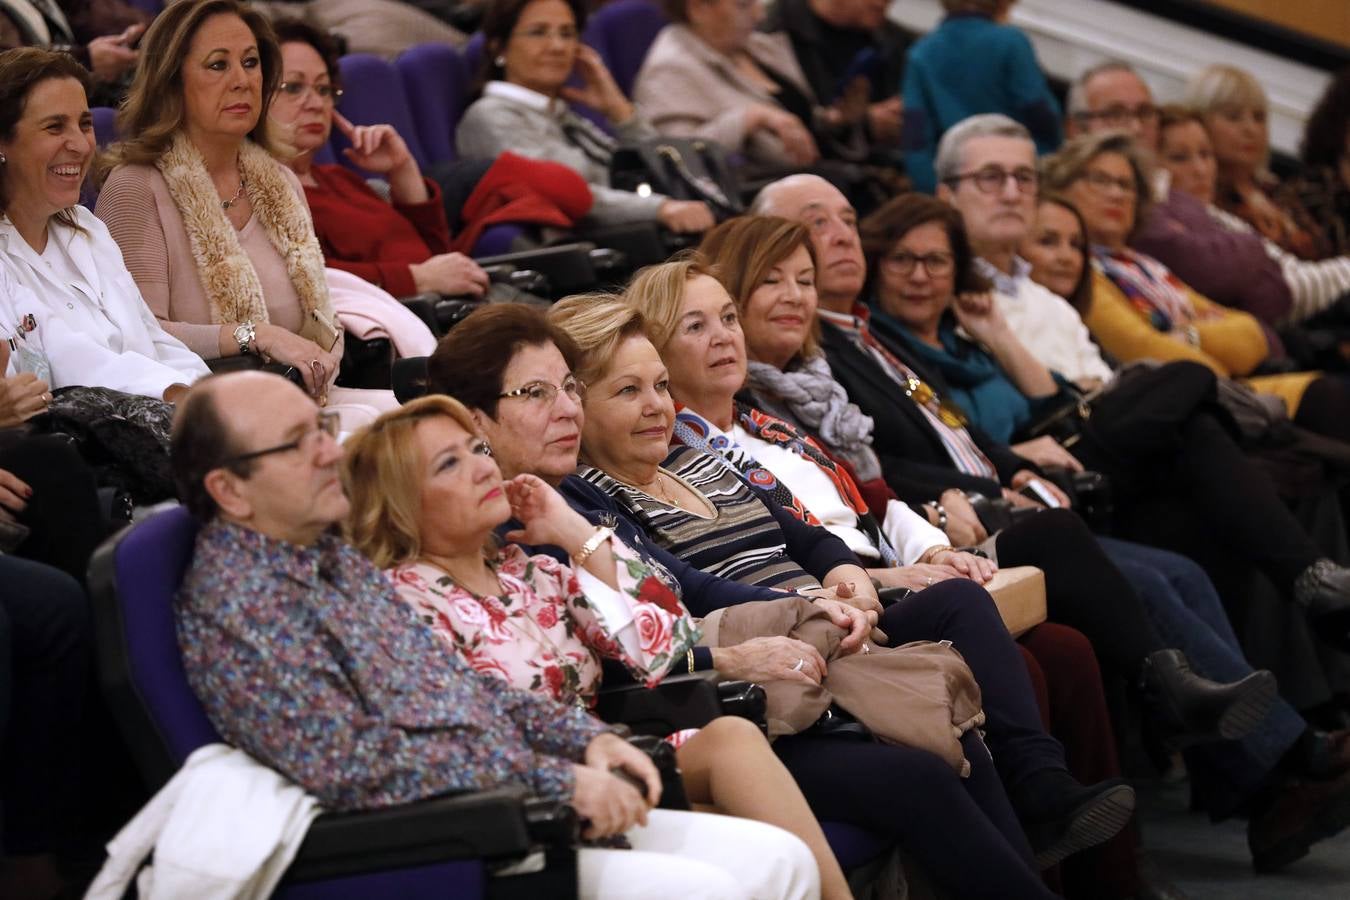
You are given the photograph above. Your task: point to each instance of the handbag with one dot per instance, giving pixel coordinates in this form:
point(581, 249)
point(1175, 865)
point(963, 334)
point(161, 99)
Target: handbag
point(680, 168)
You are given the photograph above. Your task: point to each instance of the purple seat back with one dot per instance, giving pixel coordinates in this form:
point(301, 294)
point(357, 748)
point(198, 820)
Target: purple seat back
point(436, 83)
point(105, 125)
point(133, 580)
point(372, 94)
point(622, 32)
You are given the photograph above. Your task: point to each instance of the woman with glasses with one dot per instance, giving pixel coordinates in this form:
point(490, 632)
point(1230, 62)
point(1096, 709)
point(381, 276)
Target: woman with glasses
point(532, 48)
point(1140, 309)
point(214, 231)
point(402, 244)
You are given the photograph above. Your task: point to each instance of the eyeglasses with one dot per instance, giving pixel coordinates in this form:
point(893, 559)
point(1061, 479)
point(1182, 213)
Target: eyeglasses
point(937, 265)
point(325, 92)
point(543, 394)
point(326, 424)
point(567, 34)
point(991, 179)
point(1101, 182)
point(1121, 116)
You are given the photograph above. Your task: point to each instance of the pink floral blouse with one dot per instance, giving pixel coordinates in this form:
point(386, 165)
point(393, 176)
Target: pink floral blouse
point(542, 634)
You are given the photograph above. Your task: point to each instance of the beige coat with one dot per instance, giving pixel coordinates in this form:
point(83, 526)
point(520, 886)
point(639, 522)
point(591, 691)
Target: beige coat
point(687, 89)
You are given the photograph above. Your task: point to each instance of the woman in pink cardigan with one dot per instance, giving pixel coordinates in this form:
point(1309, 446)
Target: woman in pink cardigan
point(215, 232)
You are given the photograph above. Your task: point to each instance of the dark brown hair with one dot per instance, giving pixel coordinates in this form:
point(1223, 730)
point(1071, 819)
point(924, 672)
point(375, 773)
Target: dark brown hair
point(154, 111)
point(1081, 297)
point(1324, 136)
point(21, 70)
point(470, 361)
point(294, 31)
point(883, 229)
point(498, 23)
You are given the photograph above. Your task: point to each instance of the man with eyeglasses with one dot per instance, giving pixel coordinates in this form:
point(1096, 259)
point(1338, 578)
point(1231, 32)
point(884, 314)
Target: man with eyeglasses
point(304, 657)
point(986, 166)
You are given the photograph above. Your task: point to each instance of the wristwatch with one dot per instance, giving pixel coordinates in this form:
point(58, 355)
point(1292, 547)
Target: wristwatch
point(244, 335)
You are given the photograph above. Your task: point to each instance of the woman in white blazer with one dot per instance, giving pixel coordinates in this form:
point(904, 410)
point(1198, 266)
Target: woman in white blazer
point(73, 306)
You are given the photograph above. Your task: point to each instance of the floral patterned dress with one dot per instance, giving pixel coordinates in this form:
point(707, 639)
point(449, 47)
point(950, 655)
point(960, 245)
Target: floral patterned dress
point(542, 633)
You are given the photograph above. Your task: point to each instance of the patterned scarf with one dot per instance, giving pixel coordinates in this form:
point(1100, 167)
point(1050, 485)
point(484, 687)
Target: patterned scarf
point(692, 430)
point(1149, 286)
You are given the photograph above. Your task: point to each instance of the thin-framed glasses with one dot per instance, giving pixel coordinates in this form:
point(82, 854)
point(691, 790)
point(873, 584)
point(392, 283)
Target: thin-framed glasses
point(1121, 116)
point(937, 264)
point(544, 394)
point(991, 179)
point(1101, 182)
point(326, 424)
point(325, 92)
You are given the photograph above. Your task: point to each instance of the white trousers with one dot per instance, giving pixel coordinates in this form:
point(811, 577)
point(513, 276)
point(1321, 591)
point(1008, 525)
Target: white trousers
point(687, 855)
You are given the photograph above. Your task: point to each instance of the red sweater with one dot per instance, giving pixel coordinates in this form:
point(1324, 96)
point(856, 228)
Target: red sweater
point(360, 232)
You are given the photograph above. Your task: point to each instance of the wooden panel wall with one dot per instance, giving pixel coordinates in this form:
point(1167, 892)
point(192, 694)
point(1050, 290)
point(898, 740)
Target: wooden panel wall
point(1325, 19)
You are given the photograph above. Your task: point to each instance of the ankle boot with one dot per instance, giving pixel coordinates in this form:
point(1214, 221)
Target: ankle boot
point(1324, 590)
point(1192, 709)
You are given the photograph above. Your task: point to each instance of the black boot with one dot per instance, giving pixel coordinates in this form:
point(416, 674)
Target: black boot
point(1324, 589)
point(1192, 709)
point(1061, 816)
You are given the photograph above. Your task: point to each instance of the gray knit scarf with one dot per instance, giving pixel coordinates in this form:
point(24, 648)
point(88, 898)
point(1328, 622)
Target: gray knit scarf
point(809, 395)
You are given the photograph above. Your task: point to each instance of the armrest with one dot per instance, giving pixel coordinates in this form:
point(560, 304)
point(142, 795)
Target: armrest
point(450, 311)
point(567, 267)
point(526, 281)
point(423, 306)
point(500, 823)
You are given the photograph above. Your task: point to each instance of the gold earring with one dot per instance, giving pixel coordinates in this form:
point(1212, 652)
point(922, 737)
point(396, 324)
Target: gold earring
point(500, 62)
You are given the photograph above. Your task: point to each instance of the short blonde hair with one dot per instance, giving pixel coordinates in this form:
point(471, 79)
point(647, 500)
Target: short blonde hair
point(1060, 170)
point(1224, 87)
point(382, 472)
point(597, 323)
point(658, 293)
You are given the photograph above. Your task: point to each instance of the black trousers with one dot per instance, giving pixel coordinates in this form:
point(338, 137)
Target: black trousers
point(44, 657)
point(1083, 588)
point(962, 612)
point(63, 513)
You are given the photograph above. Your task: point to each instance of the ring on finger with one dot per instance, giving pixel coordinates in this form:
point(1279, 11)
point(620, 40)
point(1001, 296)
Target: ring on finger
point(801, 664)
point(929, 583)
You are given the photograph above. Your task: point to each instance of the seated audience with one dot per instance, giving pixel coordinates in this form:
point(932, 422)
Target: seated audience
point(101, 36)
point(1256, 275)
point(214, 231)
point(1234, 108)
point(408, 517)
point(403, 243)
point(88, 320)
point(697, 508)
point(1322, 186)
point(843, 43)
point(539, 431)
point(710, 74)
point(531, 49)
point(999, 73)
point(1140, 309)
point(376, 711)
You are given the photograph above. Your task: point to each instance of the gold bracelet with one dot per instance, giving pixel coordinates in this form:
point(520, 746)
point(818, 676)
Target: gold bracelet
point(932, 552)
point(601, 535)
point(689, 655)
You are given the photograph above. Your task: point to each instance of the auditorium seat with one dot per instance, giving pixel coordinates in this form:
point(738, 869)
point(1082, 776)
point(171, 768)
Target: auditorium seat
point(622, 32)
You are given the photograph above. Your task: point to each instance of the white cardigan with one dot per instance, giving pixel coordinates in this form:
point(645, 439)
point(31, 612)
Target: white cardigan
point(224, 827)
point(96, 331)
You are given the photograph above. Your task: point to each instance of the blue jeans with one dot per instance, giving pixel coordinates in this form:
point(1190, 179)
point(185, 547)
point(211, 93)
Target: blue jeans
point(1183, 606)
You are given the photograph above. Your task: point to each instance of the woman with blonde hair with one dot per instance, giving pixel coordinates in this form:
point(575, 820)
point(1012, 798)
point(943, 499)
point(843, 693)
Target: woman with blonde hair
point(1236, 113)
point(216, 232)
point(427, 497)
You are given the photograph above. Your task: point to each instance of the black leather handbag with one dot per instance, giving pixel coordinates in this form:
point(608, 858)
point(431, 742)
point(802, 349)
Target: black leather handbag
point(680, 168)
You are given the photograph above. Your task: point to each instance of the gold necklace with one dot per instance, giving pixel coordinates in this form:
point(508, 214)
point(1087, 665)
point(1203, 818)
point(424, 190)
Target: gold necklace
point(663, 496)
